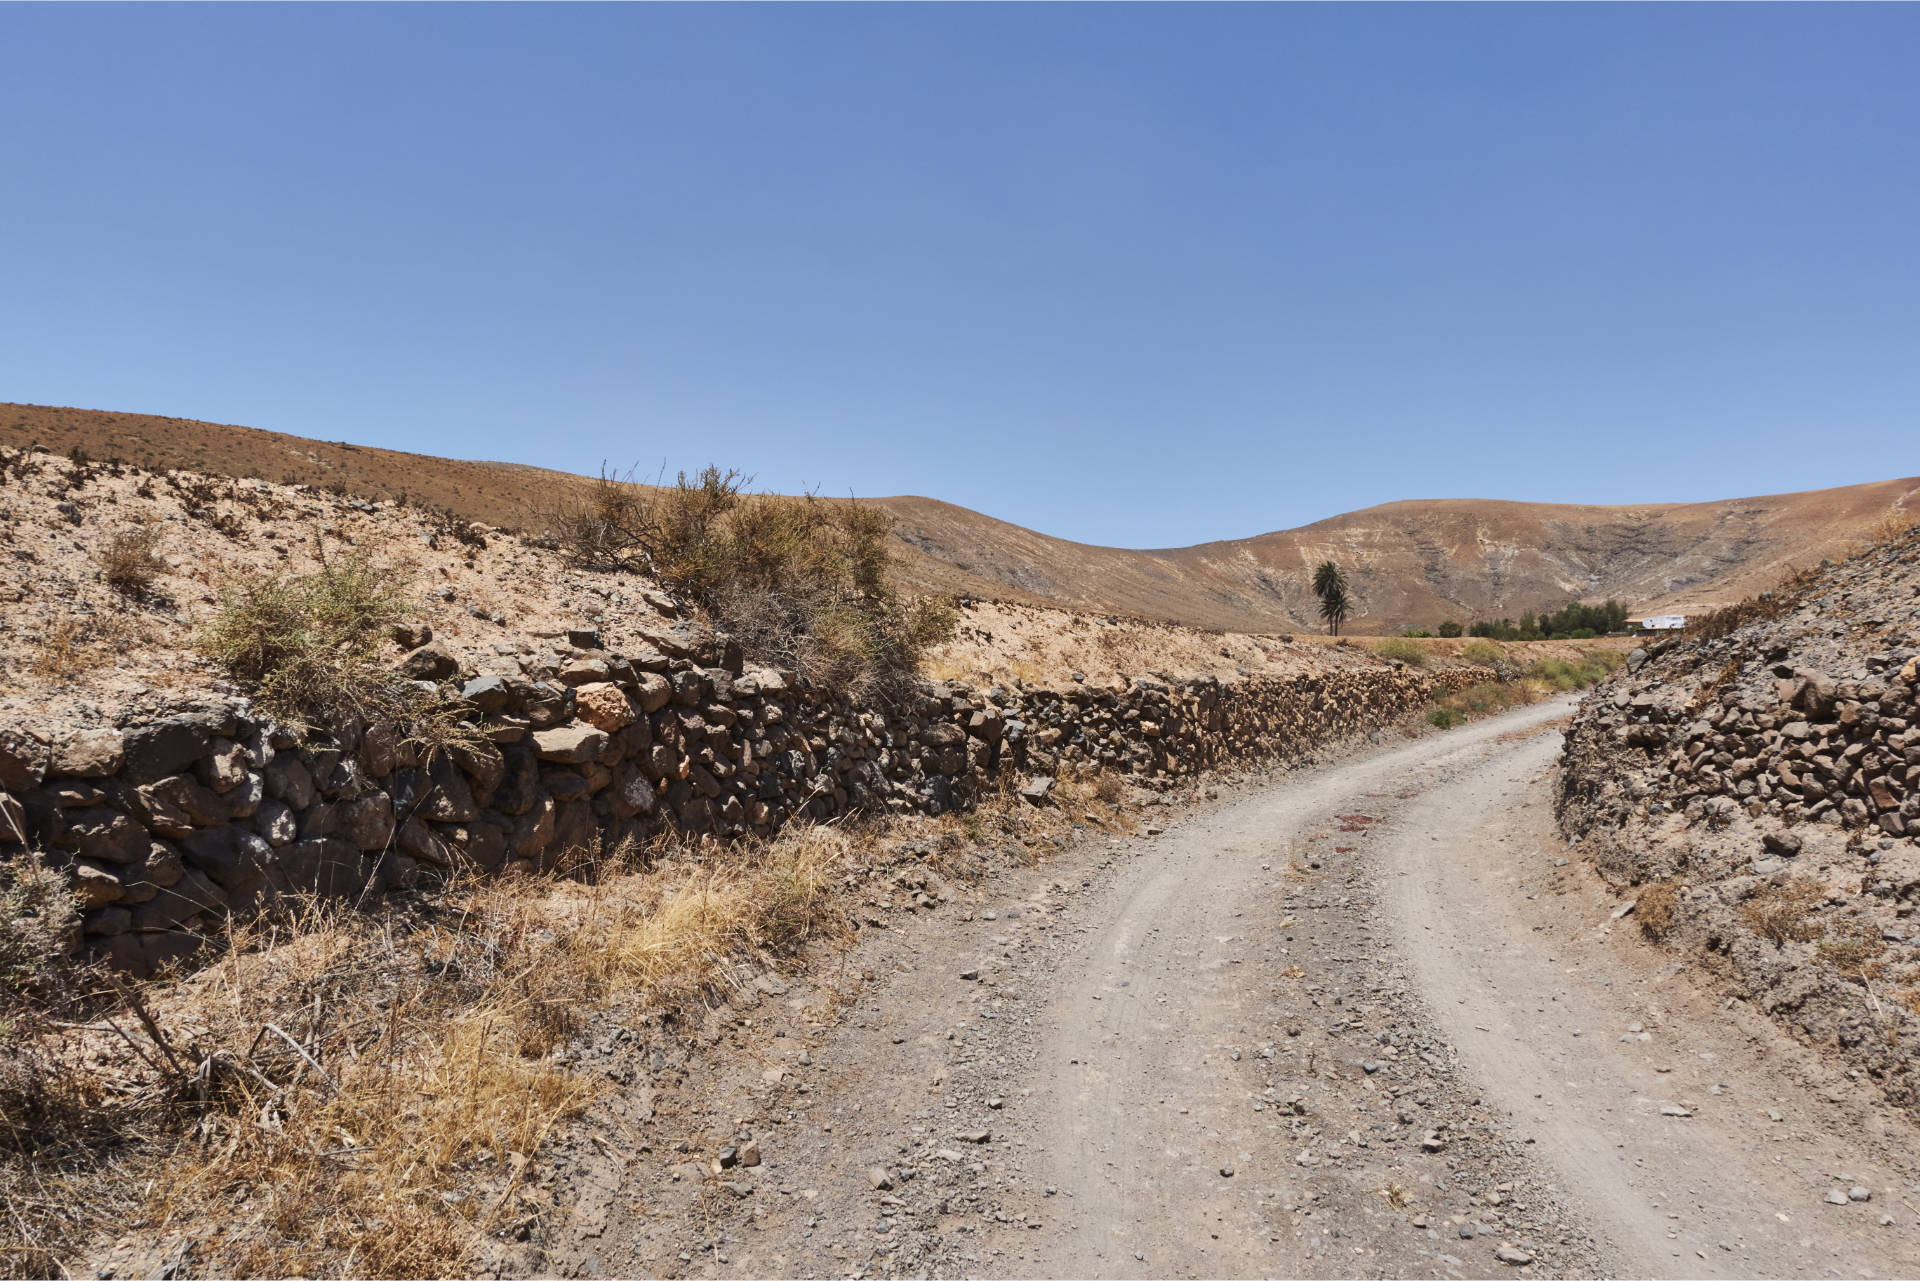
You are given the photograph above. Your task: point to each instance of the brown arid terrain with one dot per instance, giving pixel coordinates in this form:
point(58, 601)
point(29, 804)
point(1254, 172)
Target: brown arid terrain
point(157, 820)
point(1106, 947)
point(1753, 793)
point(1412, 563)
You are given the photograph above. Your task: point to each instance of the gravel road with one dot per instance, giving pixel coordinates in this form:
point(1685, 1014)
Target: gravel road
point(1360, 1019)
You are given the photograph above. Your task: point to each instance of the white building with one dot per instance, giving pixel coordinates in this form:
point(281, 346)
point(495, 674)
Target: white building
point(1664, 623)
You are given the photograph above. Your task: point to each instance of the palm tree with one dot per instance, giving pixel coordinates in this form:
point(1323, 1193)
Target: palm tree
point(1333, 607)
point(1330, 585)
point(1327, 579)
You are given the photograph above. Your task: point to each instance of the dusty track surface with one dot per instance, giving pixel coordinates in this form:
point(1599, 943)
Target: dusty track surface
point(1351, 1021)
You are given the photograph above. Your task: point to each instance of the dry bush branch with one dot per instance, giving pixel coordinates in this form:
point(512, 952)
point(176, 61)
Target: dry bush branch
point(130, 563)
point(802, 582)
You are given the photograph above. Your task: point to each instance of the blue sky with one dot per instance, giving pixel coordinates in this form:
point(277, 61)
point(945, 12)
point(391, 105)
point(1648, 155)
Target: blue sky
point(1133, 275)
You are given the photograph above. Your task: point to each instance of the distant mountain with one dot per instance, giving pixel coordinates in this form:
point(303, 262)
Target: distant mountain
point(1414, 562)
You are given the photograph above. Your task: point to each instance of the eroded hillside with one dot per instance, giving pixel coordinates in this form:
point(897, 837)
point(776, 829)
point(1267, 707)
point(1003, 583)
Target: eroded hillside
point(1415, 562)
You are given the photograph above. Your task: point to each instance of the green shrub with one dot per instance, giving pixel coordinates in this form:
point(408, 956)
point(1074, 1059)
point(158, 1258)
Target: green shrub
point(1450, 629)
point(1559, 674)
point(1401, 648)
point(1483, 653)
point(1441, 717)
point(309, 649)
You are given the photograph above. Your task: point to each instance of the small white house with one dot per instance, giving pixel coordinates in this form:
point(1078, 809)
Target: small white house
point(1664, 623)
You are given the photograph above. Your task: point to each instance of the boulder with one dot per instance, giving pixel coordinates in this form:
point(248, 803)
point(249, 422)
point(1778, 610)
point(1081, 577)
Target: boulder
point(533, 831)
point(491, 694)
point(95, 886)
point(329, 866)
point(89, 753)
point(547, 704)
point(1037, 791)
point(23, 760)
point(585, 670)
point(569, 744)
point(430, 662)
point(233, 857)
point(167, 747)
point(179, 903)
point(291, 782)
point(104, 835)
point(366, 821)
point(275, 822)
point(603, 705)
point(653, 691)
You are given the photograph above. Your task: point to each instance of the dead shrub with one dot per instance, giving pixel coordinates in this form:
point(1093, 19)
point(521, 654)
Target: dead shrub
point(1109, 788)
point(802, 582)
point(1658, 910)
point(65, 650)
point(129, 562)
point(51, 1122)
point(1893, 525)
point(1780, 913)
point(1768, 605)
point(39, 921)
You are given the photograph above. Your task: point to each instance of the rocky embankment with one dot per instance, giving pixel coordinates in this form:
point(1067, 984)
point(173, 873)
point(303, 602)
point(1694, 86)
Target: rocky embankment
point(1758, 793)
point(169, 824)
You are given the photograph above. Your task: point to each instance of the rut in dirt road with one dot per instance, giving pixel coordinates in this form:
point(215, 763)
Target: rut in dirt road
point(1352, 1021)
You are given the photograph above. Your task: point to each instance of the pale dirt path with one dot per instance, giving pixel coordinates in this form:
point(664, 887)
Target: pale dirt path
point(1149, 1012)
point(1529, 977)
point(1145, 1097)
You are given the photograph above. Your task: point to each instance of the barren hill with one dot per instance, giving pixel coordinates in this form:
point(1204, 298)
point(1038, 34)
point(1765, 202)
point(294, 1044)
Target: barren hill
point(1414, 562)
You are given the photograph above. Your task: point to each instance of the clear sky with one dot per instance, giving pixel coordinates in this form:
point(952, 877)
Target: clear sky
point(1133, 275)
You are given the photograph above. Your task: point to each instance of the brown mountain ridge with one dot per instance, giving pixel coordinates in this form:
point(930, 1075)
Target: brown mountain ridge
point(1415, 562)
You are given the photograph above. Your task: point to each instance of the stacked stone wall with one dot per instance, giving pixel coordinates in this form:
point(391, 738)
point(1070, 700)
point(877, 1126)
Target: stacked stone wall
point(170, 826)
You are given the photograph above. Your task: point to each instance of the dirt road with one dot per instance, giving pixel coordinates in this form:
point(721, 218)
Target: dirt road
point(1360, 1019)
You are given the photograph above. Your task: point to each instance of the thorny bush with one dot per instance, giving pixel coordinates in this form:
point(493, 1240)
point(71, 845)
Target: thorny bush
point(802, 582)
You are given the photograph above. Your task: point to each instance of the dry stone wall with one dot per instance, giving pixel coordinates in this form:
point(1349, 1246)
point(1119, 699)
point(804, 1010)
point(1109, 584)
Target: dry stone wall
point(1762, 788)
point(168, 826)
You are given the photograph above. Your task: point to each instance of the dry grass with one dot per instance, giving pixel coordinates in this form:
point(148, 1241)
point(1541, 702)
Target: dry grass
point(1410, 652)
point(363, 1094)
point(65, 650)
point(1658, 909)
point(1768, 605)
point(129, 562)
point(1893, 525)
point(1781, 913)
point(1853, 949)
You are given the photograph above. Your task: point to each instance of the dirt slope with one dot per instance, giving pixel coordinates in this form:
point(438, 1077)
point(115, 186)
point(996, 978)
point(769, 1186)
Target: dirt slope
point(1759, 792)
point(1411, 562)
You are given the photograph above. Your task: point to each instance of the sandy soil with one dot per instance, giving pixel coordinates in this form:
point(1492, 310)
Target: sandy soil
point(1348, 1021)
point(997, 641)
